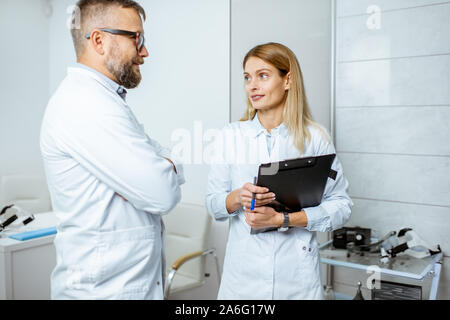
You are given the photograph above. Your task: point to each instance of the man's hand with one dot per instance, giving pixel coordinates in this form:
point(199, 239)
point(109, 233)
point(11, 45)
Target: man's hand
point(263, 217)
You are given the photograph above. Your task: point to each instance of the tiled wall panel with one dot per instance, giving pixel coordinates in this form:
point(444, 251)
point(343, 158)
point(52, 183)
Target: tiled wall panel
point(401, 130)
point(398, 34)
point(418, 81)
point(403, 178)
point(392, 115)
point(357, 7)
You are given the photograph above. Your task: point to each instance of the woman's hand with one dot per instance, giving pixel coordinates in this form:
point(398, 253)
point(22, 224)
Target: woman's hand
point(262, 195)
point(263, 217)
point(242, 197)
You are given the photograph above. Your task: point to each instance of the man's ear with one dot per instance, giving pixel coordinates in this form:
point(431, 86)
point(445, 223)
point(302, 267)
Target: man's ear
point(97, 41)
point(287, 84)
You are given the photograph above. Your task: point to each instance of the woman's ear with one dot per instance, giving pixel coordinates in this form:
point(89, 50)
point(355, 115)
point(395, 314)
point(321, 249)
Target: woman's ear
point(287, 83)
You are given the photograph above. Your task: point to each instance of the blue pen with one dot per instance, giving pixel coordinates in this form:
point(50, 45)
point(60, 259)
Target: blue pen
point(252, 205)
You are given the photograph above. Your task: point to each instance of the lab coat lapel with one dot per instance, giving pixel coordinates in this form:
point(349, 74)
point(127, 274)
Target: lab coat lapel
point(115, 95)
point(262, 149)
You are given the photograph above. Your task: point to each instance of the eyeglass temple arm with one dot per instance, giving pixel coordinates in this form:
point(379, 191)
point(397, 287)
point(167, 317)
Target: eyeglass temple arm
point(114, 31)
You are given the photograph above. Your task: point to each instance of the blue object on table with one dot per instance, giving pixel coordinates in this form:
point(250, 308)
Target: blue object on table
point(34, 234)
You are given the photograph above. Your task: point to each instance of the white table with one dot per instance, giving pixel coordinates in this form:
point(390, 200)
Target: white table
point(26, 266)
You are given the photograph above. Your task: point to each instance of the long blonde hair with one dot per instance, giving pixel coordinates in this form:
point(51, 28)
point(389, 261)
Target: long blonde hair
point(296, 113)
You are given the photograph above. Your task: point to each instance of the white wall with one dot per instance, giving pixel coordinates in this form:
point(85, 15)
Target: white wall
point(186, 86)
point(24, 54)
point(185, 77)
point(392, 119)
point(61, 50)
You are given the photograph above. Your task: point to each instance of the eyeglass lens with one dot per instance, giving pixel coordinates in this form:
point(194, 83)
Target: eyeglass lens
point(140, 42)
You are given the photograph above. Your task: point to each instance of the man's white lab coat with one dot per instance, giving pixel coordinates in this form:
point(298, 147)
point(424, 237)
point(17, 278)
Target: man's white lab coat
point(93, 149)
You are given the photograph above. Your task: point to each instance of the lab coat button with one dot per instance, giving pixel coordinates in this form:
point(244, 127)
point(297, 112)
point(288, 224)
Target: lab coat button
point(157, 283)
point(304, 248)
point(309, 249)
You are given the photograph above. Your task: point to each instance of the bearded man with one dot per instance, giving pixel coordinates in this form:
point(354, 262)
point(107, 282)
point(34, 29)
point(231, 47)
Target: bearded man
point(109, 182)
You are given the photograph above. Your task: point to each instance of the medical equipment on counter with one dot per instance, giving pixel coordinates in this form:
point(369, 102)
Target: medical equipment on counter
point(374, 247)
point(357, 235)
point(399, 254)
point(408, 242)
point(14, 217)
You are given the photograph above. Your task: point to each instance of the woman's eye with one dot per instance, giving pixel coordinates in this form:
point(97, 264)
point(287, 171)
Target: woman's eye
point(264, 76)
point(246, 78)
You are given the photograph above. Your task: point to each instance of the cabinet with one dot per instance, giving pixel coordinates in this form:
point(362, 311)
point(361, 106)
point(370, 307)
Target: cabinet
point(26, 266)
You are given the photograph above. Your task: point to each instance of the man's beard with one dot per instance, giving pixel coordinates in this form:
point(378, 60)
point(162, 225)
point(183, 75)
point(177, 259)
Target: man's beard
point(124, 73)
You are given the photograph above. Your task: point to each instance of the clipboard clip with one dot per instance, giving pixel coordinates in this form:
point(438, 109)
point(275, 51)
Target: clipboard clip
point(297, 163)
point(332, 174)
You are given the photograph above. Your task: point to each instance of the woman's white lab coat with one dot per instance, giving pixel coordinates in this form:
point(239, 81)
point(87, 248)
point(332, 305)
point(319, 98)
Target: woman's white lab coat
point(93, 148)
point(271, 265)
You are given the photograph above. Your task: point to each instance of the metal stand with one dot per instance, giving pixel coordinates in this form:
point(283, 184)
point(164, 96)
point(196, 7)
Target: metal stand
point(401, 266)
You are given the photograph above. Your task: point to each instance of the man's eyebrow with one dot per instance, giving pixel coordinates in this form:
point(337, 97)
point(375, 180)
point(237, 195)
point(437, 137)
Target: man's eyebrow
point(257, 71)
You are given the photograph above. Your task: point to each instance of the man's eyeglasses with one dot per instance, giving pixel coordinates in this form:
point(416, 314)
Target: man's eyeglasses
point(140, 39)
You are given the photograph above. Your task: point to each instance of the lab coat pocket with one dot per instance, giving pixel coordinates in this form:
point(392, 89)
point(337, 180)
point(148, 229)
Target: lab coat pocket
point(308, 264)
point(127, 258)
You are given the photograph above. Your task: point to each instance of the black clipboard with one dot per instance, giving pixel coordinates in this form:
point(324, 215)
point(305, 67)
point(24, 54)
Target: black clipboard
point(297, 183)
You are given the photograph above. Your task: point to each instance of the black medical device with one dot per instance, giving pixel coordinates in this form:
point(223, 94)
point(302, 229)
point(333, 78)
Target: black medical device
point(356, 235)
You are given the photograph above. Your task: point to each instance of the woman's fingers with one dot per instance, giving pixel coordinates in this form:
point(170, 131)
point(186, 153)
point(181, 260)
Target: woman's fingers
point(258, 203)
point(258, 196)
point(254, 189)
point(262, 195)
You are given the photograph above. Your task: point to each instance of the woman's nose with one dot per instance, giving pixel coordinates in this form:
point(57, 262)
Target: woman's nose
point(252, 85)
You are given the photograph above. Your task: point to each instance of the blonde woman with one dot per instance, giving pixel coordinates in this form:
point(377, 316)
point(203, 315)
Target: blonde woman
point(276, 126)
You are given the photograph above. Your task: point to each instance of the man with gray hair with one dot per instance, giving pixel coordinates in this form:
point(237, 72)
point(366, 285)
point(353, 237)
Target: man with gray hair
point(109, 182)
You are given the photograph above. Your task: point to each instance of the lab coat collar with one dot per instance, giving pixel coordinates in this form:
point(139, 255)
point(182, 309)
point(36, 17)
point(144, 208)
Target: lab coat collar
point(115, 87)
point(258, 128)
